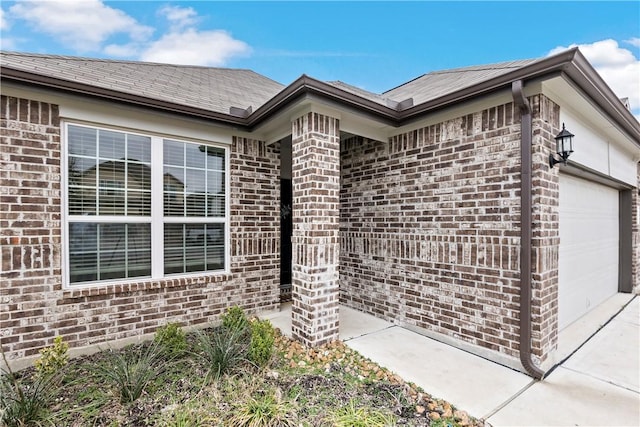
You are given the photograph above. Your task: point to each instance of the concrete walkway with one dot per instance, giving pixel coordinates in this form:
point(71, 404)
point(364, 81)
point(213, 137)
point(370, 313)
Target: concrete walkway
point(596, 385)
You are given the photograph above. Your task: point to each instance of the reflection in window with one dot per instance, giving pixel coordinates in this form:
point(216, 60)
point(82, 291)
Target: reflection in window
point(194, 180)
point(193, 247)
point(100, 251)
point(109, 172)
point(109, 195)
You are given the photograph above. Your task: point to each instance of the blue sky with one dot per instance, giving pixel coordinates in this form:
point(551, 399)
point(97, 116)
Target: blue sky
point(373, 45)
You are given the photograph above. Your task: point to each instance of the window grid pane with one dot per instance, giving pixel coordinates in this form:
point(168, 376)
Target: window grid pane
point(194, 180)
point(109, 172)
point(193, 247)
point(102, 251)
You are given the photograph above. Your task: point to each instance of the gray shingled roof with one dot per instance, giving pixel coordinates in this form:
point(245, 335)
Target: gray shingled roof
point(218, 89)
point(438, 83)
point(360, 92)
point(211, 92)
point(213, 89)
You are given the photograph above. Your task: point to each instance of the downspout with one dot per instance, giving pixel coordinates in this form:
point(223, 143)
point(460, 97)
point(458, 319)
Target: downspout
point(525, 230)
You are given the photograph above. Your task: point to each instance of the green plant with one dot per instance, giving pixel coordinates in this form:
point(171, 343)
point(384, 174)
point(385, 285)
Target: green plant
point(234, 318)
point(130, 372)
point(222, 350)
point(54, 358)
point(181, 418)
point(263, 337)
point(444, 422)
point(267, 409)
point(352, 416)
point(171, 339)
point(24, 403)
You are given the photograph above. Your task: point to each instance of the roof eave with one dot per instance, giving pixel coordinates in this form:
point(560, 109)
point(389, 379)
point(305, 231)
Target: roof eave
point(306, 85)
point(570, 63)
point(21, 76)
point(582, 74)
point(546, 67)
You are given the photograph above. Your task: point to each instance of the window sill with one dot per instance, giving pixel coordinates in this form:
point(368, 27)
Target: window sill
point(144, 285)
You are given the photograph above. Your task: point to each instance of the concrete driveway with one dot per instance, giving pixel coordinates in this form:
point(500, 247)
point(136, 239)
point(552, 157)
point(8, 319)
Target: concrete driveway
point(597, 385)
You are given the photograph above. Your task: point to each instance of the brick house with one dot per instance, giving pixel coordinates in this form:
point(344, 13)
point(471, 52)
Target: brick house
point(136, 194)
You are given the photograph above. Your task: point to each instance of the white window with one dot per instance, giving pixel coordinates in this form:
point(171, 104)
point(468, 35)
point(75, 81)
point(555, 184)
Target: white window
point(142, 206)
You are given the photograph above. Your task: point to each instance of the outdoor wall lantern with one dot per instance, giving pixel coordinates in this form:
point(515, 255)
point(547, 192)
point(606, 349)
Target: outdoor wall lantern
point(564, 147)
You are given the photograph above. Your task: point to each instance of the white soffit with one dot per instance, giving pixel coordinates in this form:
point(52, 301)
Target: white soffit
point(565, 94)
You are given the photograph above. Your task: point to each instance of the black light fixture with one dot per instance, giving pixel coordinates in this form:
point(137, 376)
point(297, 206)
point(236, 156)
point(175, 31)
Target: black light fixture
point(564, 147)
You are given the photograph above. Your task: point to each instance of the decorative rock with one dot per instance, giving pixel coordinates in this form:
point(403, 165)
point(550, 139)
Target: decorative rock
point(420, 409)
point(462, 418)
point(169, 408)
point(448, 412)
point(434, 415)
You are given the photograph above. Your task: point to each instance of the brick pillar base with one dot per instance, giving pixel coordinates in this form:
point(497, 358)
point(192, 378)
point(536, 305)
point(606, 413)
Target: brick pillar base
point(316, 248)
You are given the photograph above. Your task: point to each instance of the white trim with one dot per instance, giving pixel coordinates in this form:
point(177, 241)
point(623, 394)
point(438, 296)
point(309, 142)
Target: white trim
point(65, 204)
point(112, 219)
point(157, 227)
point(194, 220)
point(227, 210)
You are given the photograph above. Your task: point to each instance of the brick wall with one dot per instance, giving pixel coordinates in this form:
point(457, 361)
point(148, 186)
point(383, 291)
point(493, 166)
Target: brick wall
point(29, 222)
point(35, 308)
point(255, 222)
point(430, 227)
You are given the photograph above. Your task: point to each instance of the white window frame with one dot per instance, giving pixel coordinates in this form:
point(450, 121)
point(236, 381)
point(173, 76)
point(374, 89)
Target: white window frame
point(157, 218)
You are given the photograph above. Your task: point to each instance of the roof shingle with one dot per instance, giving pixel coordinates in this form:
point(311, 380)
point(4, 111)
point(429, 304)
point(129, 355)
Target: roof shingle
point(213, 89)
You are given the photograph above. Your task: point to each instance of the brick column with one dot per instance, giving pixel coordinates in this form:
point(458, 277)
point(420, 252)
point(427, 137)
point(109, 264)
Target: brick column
point(316, 198)
point(546, 231)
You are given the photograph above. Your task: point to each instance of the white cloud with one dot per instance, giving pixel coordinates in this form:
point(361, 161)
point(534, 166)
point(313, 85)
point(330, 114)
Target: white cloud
point(84, 25)
point(617, 66)
point(91, 26)
point(633, 41)
point(186, 44)
point(179, 17)
point(6, 42)
point(4, 24)
point(213, 48)
point(128, 50)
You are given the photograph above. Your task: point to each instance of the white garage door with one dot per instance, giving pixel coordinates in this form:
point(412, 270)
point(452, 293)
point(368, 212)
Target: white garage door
point(588, 259)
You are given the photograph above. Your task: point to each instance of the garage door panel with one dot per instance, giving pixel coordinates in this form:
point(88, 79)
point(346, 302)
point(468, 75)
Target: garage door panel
point(589, 245)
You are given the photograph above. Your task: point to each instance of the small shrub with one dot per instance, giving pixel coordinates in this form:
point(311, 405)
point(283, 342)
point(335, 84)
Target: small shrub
point(172, 339)
point(234, 318)
point(352, 416)
point(53, 359)
point(262, 342)
point(267, 409)
point(130, 372)
point(25, 403)
point(222, 350)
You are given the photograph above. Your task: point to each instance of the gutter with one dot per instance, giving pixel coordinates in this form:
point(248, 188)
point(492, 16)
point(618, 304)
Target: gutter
point(525, 230)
